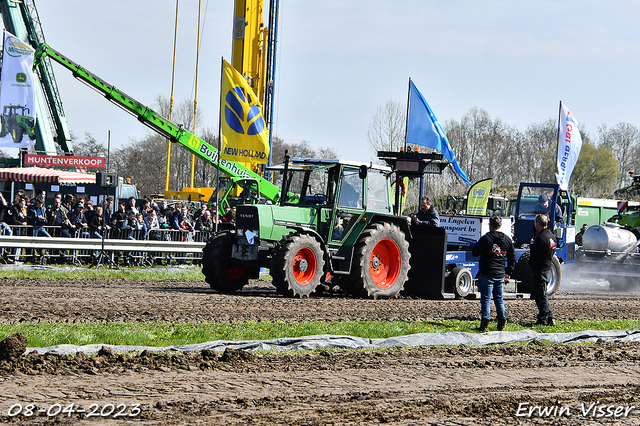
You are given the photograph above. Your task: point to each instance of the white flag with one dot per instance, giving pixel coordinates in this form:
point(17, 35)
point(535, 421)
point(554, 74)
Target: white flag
point(569, 146)
point(17, 94)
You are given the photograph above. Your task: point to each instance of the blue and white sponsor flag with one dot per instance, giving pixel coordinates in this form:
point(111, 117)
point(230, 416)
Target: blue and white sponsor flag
point(424, 129)
point(569, 146)
point(17, 94)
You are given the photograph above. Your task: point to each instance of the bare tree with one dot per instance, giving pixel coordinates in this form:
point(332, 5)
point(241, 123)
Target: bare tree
point(624, 141)
point(539, 152)
point(301, 149)
point(387, 128)
point(89, 146)
point(181, 158)
point(484, 147)
point(143, 161)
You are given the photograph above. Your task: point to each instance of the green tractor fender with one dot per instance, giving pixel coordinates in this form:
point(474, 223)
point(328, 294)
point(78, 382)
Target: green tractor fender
point(313, 233)
point(399, 221)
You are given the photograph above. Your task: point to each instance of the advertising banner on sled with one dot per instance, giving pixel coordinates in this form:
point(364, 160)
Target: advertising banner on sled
point(17, 94)
point(478, 197)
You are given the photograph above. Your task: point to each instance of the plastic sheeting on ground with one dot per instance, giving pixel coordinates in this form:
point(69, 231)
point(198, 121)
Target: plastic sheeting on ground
point(351, 342)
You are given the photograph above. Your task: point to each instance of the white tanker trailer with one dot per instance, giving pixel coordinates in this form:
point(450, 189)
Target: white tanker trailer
point(610, 252)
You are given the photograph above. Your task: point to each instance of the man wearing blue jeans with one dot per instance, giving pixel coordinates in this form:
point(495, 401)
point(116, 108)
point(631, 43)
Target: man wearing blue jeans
point(495, 250)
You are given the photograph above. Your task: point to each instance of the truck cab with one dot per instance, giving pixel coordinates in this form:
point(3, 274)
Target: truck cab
point(545, 198)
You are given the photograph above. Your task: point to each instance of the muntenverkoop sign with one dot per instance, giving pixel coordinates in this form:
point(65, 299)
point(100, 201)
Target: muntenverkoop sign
point(64, 161)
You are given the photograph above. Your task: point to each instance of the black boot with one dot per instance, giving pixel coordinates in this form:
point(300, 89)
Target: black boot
point(502, 322)
point(484, 324)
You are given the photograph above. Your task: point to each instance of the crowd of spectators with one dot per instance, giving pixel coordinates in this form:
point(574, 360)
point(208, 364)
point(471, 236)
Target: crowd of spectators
point(73, 216)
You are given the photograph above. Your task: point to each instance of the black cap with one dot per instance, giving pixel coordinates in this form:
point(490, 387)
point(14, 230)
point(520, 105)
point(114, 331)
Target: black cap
point(543, 198)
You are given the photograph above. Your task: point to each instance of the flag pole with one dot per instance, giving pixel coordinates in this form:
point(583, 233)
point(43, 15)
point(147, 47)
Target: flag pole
point(219, 145)
point(559, 118)
point(406, 124)
point(558, 139)
point(406, 128)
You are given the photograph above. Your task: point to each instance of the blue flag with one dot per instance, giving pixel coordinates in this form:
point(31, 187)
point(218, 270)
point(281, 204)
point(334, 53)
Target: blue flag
point(424, 129)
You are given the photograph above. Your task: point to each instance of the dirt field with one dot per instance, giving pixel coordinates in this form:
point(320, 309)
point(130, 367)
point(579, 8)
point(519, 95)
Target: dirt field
point(556, 384)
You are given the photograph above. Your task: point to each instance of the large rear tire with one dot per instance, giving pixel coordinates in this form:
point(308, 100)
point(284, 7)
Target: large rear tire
point(298, 267)
point(380, 262)
point(220, 271)
point(524, 274)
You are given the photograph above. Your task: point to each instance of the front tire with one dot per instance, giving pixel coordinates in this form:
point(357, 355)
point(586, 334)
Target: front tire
point(4, 126)
point(524, 274)
point(220, 271)
point(380, 262)
point(298, 267)
point(16, 133)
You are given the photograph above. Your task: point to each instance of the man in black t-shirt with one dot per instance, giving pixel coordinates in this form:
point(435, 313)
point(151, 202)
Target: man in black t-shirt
point(541, 261)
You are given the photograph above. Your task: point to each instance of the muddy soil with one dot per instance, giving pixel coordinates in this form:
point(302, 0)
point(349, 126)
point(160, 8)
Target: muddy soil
point(555, 384)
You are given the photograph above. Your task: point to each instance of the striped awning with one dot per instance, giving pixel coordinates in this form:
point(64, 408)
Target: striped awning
point(37, 174)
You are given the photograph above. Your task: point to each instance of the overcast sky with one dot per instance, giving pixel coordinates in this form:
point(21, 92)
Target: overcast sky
point(339, 61)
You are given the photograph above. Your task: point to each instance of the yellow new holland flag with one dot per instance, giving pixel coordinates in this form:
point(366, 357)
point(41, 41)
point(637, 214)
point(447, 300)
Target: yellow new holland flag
point(244, 133)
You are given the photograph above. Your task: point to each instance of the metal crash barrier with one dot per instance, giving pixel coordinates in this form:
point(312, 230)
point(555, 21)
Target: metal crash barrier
point(126, 246)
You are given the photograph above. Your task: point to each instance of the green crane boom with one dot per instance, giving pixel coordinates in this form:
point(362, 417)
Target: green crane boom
point(158, 123)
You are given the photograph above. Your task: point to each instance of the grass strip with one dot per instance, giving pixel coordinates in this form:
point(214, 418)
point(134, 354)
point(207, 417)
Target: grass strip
point(164, 273)
point(166, 334)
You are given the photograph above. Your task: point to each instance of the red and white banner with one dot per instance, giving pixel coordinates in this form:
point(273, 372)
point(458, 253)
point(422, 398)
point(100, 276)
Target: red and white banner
point(37, 174)
point(622, 206)
point(64, 161)
point(569, 146)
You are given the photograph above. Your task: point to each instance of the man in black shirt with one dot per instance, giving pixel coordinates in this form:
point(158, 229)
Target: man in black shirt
point(541, 261)
point(580, 234)
point(121, 214)
point(57, 216)
point(427, 215)
point(4, 210)
point(495, 250)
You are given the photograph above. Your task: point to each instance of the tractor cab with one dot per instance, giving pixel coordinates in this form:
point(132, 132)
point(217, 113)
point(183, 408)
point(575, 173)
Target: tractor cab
point(545, 198)
point(13, 110)
point(337, 192)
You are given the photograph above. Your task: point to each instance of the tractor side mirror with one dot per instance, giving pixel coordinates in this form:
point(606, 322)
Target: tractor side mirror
point(362, 173)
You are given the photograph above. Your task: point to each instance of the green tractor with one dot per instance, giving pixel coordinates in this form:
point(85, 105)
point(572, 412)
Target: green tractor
point(337, 228)
point(16, 119)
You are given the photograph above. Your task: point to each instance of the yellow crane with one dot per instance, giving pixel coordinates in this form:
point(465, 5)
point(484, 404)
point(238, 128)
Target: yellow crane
point(253, 56)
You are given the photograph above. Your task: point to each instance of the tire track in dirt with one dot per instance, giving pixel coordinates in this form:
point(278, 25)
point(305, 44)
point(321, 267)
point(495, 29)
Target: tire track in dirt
point(459, 385)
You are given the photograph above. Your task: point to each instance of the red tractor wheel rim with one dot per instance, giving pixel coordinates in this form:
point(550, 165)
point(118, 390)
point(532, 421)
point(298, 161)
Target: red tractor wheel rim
point(384, 263)
point(304, 266)
point(235, 272)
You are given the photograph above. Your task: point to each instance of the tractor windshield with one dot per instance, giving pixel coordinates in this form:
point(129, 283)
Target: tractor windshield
point(313, 185)
point(241, 191)
point(535, 200)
